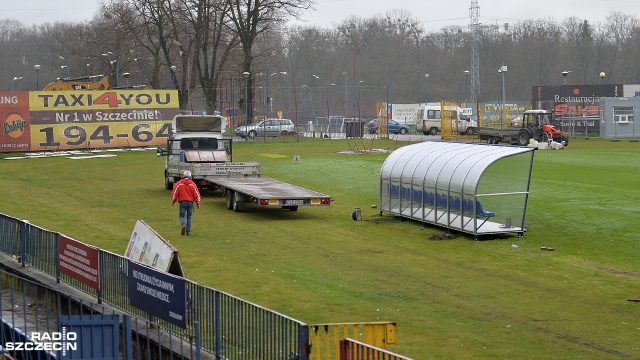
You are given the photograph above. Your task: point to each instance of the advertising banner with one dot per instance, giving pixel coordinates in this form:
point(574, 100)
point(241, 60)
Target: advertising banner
point(148, 247)
point(14, 116)
point(64, 120)
point(573, 99)
point(405, 113)
point(158, 293)
point(79, 261)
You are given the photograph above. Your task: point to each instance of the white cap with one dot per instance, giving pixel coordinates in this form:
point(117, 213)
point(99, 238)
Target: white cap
point(187, 174)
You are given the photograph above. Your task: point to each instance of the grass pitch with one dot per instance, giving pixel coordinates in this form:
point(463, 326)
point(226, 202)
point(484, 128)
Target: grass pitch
point(452, 297)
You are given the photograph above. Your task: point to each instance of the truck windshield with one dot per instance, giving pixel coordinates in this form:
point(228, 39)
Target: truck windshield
point(180, 146)
point(199, 144)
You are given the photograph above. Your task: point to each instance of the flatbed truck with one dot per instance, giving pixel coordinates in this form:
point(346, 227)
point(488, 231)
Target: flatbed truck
point(198, 145)
point(265, 191)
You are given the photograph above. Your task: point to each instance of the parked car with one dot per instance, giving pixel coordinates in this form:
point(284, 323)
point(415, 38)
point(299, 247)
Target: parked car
point(393, 127)
point(269, 127)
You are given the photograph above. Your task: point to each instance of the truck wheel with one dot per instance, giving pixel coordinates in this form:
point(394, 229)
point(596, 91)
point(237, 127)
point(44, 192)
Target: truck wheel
point(229, 197)
point(523, 138)
point(237, 204)
point(252, 134)
point(167, 183)
point(470, 131)
point(425, 132)
point(491, 140)
point(433, 131)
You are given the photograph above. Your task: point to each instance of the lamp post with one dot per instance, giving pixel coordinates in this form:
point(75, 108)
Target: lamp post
point(117, 71)
point(288, 95)
point(354, 68)
point(111, 64)
point(333, 90)
point(306, 112)
point(359, 96)
point(269, 105)
point(466, 86)
point(126, 76)
point(602, 74)
point(346, 95)
point(66, 65)
point(173, 76)
point(502, 71)
point(245, 76)
point(37, 67)
point(141, 65)
point(564, 75)
point(15, 78)
point(419, 85)
point(426, 88)
point(315, 115)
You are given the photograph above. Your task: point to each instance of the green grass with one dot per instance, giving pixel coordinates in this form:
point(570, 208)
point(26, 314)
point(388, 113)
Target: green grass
point(451, 299)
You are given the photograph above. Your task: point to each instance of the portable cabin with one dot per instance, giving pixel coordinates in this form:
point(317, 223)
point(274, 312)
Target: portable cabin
point(472, 188)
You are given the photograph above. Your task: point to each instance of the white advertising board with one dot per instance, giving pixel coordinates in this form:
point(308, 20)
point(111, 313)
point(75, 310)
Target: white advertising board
point(148, 247)
point(405, 113)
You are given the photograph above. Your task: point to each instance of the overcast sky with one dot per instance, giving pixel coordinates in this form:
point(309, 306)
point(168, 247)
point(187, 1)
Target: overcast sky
point(434, 14)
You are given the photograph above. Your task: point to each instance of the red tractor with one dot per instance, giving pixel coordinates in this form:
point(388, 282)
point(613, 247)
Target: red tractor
point(536, 124)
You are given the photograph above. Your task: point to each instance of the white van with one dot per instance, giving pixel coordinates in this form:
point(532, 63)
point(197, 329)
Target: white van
point(430, 119)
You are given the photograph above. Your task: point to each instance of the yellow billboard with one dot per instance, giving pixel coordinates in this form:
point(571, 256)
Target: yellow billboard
point(62, 120)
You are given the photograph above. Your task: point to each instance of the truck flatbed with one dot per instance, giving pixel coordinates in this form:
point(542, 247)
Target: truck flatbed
point(266, 191)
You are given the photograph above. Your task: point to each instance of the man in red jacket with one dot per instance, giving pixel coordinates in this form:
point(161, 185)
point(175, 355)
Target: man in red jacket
point(186, 193)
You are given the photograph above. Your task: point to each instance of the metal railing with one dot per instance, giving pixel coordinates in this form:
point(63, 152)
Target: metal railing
point(29, 307)
point(355, 350)
point(222, 324)
point(230, 327)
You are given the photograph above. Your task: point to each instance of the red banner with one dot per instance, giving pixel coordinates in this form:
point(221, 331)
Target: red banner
point(79, 261)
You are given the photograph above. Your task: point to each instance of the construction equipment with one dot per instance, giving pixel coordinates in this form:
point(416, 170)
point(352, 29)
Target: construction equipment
point(93, 82)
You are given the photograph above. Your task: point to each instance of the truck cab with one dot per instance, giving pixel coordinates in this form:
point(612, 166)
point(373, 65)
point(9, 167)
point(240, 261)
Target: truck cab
point(196, 143)
point(431, 117)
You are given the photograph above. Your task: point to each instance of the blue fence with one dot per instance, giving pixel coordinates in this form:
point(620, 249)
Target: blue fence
point(229, 327)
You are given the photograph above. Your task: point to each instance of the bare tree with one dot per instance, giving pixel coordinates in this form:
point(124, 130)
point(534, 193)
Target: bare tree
point(251, 18)
point(206, 25)
point(580, 47)
point(538, 44)
point(622, 28)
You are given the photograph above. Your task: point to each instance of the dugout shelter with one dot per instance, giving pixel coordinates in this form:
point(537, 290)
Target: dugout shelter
point(472, 188)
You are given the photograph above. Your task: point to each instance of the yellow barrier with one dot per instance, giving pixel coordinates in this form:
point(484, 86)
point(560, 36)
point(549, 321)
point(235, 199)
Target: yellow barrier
point(326, 337)
point(451, 126)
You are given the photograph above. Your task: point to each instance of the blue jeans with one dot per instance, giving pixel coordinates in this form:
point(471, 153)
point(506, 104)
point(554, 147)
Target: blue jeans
point(186, 208)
